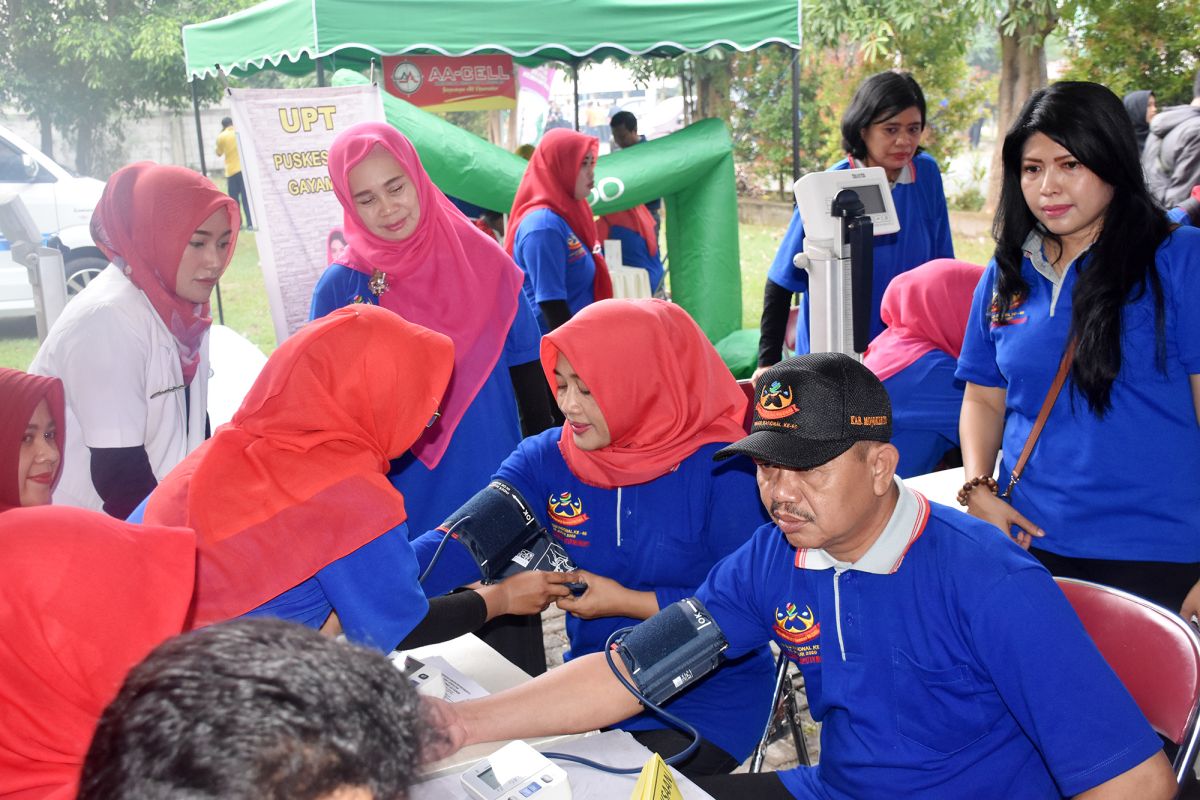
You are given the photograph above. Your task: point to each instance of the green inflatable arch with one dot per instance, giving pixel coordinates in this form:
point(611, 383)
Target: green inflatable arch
point(692, 170)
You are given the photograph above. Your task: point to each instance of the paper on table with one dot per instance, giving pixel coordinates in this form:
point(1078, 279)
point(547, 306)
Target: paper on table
point(458, 686)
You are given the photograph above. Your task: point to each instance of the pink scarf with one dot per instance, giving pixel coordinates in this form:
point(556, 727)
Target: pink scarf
point(447, 276)
point(144, 220)
point(925, 309)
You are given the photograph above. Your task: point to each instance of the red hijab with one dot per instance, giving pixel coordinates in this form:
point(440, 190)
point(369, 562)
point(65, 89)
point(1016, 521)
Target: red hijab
point(549, 182)
point(20, 393)
point(144, 220)
point(83, 598)
point(925, 309)
point(447, 276)
point(661, 386)
point(298, 478)
point(638, 219)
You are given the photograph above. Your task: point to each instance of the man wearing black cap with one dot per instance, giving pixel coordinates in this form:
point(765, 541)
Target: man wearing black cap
point(940, 658)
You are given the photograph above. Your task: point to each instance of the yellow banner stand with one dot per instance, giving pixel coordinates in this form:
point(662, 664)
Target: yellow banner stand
point(656, 782)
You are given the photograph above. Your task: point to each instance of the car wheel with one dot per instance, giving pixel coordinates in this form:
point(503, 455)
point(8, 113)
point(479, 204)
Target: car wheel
point(80, 272)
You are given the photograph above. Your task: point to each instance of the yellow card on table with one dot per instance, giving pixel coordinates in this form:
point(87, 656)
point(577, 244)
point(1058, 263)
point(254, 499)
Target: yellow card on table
point(656, 782)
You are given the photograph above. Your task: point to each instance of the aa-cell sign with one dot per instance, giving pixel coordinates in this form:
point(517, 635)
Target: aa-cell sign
point(452, 83)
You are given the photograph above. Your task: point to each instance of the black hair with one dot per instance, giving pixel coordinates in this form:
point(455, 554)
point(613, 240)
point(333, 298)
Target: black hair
point(1091, 123)
point(256, 708)
point(879, 97)
point(335, 235)
point(625, 119)
point(226, 122)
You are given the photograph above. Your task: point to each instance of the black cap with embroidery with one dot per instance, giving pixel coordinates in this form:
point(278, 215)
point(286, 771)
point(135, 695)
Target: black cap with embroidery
point(810, 409)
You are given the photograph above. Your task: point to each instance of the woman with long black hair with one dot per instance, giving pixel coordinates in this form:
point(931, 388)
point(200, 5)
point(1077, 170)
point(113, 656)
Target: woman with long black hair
point(1087, 264)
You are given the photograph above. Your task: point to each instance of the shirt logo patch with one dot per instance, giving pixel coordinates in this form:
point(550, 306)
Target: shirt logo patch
point(1015, 315)
point(566, 515)
point(776, 402)
point(575, 249)
point(798, 634)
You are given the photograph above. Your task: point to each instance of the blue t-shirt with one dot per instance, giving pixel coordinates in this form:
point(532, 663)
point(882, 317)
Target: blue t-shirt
point(374, 590)
point(487, 432)
point(964, 673)
point(926, 401)
point(635, 253)
point(558, 266)
point(1122, 486)
point(924, 235)
point(1180, 216)
point(662, 536)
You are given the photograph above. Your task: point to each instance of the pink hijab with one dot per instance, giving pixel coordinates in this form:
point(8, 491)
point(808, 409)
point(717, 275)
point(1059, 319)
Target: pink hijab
point(447, 276)
point(143, 222)
point(925, 309)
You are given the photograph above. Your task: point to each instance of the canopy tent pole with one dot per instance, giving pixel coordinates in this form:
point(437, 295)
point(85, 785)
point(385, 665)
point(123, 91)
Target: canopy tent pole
point(320, 72)
point(575, 89)
point(795, 116)
point(204, 172)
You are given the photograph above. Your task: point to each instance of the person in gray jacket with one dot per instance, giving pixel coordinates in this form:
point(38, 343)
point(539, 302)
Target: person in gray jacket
point(1171, 159)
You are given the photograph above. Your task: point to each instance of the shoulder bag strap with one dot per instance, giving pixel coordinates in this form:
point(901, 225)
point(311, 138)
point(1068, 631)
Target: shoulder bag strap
point(1064, 367)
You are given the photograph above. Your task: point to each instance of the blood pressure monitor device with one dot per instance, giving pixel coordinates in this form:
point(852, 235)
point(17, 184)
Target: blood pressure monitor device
point(502, 533)
point(516, 772)
point(843, 211)
point(672, 650)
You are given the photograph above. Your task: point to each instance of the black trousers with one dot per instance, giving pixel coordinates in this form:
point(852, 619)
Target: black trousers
point(759, 786)
point(237, 190)
point(1164, 582)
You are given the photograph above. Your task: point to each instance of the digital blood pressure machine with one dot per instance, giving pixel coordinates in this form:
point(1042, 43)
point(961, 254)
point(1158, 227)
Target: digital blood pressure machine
point(516, 772)
point(843, 211)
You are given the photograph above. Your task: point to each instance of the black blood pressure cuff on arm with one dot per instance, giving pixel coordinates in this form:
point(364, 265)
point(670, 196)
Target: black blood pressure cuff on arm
point(499, 529)
point(672, 650)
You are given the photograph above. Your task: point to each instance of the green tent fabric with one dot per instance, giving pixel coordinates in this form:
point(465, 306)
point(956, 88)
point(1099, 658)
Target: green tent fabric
point(287, 35)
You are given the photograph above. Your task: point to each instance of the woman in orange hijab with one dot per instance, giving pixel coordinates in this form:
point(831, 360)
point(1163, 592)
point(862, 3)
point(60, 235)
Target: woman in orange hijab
point(629, 489)
point(83, 598)
point(552, 231)
point(31, 438)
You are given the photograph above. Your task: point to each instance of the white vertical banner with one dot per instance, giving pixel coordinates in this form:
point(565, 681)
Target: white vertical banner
point(284, 137)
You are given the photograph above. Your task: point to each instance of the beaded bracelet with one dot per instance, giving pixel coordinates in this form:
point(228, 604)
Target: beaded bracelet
point(982, 480)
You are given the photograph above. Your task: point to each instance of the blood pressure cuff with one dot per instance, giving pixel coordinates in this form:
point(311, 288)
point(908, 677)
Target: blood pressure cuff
point(504, 537)
point(672, 650)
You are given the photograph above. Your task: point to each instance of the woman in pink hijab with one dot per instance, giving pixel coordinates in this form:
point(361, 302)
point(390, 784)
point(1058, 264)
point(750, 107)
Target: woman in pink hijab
point(132, 348)
point(925, 310)
point(409, 250)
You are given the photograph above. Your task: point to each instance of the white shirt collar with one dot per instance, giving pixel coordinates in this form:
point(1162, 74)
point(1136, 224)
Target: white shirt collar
point(884, 557)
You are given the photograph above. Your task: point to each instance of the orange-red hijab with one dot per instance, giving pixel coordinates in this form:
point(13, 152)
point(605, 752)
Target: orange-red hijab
point(549, 182)
point(144, 220)
point(83, 599)
point(637, 219)
point(298, 478)
point(20, 393)
point(661, 386)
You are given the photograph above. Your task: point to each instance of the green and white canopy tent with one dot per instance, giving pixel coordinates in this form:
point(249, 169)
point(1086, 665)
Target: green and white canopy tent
point(298, 36)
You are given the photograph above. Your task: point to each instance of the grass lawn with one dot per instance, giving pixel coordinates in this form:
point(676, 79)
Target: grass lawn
point(245, 301)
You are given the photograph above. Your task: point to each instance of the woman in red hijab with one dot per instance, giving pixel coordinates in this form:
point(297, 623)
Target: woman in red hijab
point(634, 229)
point(628, 487)
point(925, 310)
point(31, 438)
point(290, 501)
point(552, 231)
point(409, 250)
point(132, 348)
point(83, 598)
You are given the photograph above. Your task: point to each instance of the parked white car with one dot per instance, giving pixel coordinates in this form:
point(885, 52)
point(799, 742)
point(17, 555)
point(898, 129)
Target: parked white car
point(61, 205)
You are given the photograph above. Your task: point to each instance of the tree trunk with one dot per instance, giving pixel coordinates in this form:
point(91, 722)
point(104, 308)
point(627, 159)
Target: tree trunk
point(1022, 72)
point(84, 149)
point(712, 87)
point(46, 127)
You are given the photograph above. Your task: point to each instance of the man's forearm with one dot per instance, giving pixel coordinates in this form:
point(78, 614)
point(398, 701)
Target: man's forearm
point(579, 696)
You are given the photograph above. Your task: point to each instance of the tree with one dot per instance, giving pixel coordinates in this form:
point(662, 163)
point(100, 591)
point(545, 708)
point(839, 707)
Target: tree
point(1137, 44)
point(86, 66)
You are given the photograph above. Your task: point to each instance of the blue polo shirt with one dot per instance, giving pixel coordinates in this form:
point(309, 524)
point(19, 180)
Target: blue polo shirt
point(374, 590)
point(926, 401)
point(944, 663)
point(558, 266)
point(923, 236)
point(636, 253)
point(487, 432)
point(1121, 486)
point(661, 537)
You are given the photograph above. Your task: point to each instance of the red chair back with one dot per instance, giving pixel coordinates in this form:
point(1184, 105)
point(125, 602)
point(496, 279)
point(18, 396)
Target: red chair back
point(1154, 652)
point(789, 334)
point(748, 388)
